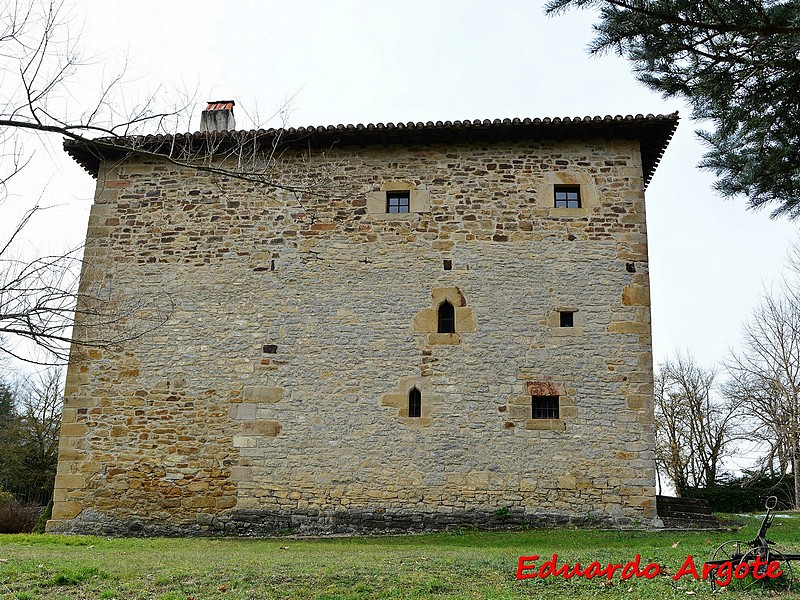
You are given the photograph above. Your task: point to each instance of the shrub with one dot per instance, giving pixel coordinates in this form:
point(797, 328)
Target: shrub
point(745, 494)
point(18, 518)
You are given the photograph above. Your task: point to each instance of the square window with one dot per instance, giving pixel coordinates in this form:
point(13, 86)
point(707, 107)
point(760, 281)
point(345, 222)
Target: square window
point(398, 202)
point(567, 196)
point(544, 407)
point(566, 318)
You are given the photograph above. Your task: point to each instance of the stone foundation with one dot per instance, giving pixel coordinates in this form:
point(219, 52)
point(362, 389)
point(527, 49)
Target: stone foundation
point(262, 523)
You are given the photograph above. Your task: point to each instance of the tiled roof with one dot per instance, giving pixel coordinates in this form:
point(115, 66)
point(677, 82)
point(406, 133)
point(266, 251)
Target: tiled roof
point(653, 132)
point(220, 105)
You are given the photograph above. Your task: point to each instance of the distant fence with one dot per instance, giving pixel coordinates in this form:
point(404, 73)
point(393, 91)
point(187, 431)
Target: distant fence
point(35, 498)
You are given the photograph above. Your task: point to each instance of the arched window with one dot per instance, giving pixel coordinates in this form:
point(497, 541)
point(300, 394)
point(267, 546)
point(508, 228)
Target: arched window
point(447, 318)
point(414, 403)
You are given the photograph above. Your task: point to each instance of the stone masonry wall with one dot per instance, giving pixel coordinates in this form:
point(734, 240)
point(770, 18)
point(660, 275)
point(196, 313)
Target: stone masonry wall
point(274, 395)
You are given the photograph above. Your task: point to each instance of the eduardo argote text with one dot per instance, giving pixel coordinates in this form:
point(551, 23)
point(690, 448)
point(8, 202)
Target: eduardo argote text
point(723, 572)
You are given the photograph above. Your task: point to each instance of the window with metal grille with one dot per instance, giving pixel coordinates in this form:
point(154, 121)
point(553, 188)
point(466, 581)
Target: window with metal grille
point(544, 407)
point(447, 318)
point(398, 202)
point(566, 318)
point(568, 196)
point(414, 403)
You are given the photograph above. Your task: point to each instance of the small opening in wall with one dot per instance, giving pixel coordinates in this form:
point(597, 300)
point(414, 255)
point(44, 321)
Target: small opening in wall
point(270, 348)
point(447, 264)
point(398, 202)
point(567, 196)
point(414, 403)
point(447, 318)
point(272, 265)
point(544, 407)
point(566, 318)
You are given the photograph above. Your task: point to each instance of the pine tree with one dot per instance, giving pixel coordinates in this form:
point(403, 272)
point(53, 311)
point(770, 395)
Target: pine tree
point(737, 63)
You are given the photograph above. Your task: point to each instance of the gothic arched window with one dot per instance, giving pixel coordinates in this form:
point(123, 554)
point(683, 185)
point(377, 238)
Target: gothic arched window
point(414, 403)
point(447, 318)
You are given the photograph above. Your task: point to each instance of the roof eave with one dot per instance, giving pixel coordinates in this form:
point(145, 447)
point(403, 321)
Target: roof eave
point(652, 131)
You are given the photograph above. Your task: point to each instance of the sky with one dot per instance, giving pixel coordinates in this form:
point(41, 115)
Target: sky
point(351, 61)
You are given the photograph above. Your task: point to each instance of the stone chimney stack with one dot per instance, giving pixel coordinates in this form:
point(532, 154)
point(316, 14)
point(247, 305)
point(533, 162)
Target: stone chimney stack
point(218, 116)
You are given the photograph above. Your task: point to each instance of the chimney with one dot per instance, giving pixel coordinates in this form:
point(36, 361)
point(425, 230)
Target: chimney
point(218, 116)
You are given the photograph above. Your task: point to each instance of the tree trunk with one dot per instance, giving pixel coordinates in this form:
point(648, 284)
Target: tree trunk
point(795, 473)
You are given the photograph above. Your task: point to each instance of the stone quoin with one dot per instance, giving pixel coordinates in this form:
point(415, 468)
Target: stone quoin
point(453, 331)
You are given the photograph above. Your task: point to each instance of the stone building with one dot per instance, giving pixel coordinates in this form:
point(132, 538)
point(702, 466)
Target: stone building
point(453, 330)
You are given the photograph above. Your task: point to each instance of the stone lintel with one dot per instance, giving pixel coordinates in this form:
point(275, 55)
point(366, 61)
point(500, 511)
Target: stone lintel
point(261, 427)
point(444, 339)
point(552, 424)
point(262, 393)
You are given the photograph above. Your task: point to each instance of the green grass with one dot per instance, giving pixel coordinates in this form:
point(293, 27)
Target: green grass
point(461, 564)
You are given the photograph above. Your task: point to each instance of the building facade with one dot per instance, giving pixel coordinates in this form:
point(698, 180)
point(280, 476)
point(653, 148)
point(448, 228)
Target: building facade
point(453, 330)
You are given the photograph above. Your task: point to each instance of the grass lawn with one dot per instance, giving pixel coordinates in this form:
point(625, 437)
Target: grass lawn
point(462, 564)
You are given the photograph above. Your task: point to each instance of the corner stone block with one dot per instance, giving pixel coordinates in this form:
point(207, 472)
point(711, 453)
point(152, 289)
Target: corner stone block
point(646, 417)
point(444, 339)
point(71, 481)
point(66, 510)
point(628, 327)
point(394, 400)
point(261, 393)
point(465, 320)
point(261, 427)
point(69, 455)
point(637, 401)
point(73, 429)
point(69, 415)
point(451, 294)
point(425, 321)
point(636, 295)
point(53, 525)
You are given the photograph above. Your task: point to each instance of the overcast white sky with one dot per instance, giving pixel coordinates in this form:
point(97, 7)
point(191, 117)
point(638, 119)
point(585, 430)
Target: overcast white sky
point(371, 61)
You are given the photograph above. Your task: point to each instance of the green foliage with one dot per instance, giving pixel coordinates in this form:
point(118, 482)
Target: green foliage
point(46, 515)
point(502, 512)
point(745, 494)
point(72, 576)
point(7, 414)
point(6, 498)
point(737, 64)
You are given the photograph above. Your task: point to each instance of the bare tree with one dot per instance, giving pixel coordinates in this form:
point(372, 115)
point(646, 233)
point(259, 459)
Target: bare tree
point(40, 63)
point(40, 302)
point(31, 420)
point(694, 428)
point(765, 376)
